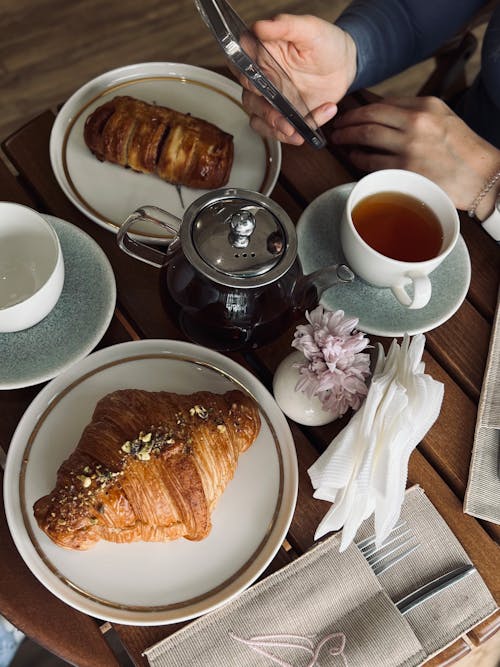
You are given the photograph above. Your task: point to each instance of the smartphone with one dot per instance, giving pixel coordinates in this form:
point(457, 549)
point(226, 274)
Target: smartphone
point(250, 57)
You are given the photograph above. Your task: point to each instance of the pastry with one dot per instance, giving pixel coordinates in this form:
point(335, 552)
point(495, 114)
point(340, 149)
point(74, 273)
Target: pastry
point(149, 466)
point(152, 139)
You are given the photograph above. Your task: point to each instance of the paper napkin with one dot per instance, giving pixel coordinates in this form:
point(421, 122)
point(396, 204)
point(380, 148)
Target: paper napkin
point(364, 469)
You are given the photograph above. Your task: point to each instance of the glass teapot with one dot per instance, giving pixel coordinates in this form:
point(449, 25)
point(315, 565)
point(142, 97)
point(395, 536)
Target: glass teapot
point(231, 278)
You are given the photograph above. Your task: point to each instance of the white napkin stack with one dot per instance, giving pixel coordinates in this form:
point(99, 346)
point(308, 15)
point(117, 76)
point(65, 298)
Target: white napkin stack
point(364, 469)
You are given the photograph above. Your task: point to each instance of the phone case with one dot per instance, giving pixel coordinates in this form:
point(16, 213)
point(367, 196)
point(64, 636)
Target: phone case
point(245, 52)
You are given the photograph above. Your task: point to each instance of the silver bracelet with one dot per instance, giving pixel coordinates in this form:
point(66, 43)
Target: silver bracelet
point(487, 187)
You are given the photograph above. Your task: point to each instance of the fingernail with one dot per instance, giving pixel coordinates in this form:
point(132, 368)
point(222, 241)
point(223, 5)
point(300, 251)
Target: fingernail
point(284, 127)
point(330, 110)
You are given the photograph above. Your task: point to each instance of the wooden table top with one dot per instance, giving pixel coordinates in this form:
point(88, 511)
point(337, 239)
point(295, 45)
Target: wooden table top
point(455, 354)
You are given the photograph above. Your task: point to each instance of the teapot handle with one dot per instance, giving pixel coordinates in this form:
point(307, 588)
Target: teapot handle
point(311, 286)
point(140, 250)
point(328, 276)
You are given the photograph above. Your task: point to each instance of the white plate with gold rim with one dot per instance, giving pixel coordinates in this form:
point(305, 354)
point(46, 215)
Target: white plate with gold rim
point(108, 193)
point(152, 583)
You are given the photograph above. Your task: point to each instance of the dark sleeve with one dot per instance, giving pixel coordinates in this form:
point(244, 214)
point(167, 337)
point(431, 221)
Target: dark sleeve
point(391, 35)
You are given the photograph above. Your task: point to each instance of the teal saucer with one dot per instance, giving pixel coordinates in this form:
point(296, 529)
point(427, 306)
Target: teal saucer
point(379, 313)
point(74, 326)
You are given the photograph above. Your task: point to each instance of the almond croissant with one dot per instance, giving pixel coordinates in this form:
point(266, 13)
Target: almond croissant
point(149, 466)
point(152, 139)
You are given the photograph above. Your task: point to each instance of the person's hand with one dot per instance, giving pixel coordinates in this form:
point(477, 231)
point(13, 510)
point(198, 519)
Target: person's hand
point(318, 57)
point(420, 134)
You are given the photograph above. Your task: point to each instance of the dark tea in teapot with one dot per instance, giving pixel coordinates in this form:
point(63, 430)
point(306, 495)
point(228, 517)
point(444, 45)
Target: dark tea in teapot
point(225, 318)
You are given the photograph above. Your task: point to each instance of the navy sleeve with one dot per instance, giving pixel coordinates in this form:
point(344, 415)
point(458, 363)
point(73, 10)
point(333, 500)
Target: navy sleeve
point(391, 35)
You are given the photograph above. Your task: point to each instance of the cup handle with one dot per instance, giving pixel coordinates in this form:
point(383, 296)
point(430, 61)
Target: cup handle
point(140, 250)
point(422, 290)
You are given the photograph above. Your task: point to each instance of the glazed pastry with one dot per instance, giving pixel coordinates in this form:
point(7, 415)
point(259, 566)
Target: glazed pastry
point(152, 139)
point(149, 466)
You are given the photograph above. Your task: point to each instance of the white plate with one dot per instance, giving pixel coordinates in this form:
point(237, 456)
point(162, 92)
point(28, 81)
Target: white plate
point(379, 313)
point(108, 193)
point(74, 326)
point(152, 583)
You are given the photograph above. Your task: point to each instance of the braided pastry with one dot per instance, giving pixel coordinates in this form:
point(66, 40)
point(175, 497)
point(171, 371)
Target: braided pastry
point(152, 139)
point(149, 466)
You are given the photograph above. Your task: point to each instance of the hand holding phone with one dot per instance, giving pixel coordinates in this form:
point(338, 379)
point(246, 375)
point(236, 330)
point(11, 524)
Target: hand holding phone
point(248, 56)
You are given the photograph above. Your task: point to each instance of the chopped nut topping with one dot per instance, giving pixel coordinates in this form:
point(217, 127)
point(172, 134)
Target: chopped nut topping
point(199, 410)
point(221, 427)
point(152, 442)
point(86, 481)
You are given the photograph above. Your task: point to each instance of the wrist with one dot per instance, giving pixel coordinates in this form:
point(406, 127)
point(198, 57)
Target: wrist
point(486, 207)
point(351, 59)
point(484, 202)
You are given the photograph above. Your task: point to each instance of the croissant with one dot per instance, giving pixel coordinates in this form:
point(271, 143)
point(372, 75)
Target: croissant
point(152, 139)
point(149, 466)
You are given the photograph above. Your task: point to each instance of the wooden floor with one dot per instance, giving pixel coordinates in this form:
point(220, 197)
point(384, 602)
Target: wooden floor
point(49, 48)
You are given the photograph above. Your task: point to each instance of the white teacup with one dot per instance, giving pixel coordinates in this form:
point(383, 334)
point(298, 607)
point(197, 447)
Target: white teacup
point(31, 267)
point(381, 267)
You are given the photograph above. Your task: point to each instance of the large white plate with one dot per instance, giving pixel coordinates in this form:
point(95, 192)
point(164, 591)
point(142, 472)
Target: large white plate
point(108, 193)
point(149, 583)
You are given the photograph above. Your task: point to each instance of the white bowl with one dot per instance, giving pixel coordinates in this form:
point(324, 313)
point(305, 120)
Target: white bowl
point(31, 267)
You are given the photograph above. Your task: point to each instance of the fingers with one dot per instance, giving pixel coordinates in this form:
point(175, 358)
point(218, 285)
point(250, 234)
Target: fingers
point(396, 112)
point(269, 122)
point(433, 104)
point(285, 27)
point(324, 113)
point(265, 130)
point(377, 113)
point(370, 135)
point(258, 107)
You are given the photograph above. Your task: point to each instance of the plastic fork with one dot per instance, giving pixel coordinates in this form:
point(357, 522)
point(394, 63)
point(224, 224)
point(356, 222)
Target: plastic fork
point(394, 549)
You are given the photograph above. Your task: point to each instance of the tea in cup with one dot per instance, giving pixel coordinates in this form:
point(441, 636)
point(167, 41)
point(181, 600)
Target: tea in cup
point(397, 227)
point(31, 267)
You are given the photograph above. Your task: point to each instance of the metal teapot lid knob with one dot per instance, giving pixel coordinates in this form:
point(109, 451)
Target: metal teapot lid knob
point(242, 225)
point(238, 238)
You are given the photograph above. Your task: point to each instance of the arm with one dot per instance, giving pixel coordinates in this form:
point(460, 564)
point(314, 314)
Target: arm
point(372, 39)
point(391, 35)
point(424, 135)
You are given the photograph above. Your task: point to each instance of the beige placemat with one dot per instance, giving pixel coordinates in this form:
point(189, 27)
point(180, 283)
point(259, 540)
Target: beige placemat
point(329, 609)
point(482, 497)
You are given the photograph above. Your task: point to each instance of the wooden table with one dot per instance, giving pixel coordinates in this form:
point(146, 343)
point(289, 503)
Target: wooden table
point(455, 354)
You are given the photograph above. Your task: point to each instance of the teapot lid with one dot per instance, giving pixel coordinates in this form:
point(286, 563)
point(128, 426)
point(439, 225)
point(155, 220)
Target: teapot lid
point(238, 238)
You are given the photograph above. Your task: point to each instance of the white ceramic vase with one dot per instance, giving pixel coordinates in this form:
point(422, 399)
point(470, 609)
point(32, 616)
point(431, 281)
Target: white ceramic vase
point(296, 404)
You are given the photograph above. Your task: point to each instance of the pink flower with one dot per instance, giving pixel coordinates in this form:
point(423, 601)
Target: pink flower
point(335, 369)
